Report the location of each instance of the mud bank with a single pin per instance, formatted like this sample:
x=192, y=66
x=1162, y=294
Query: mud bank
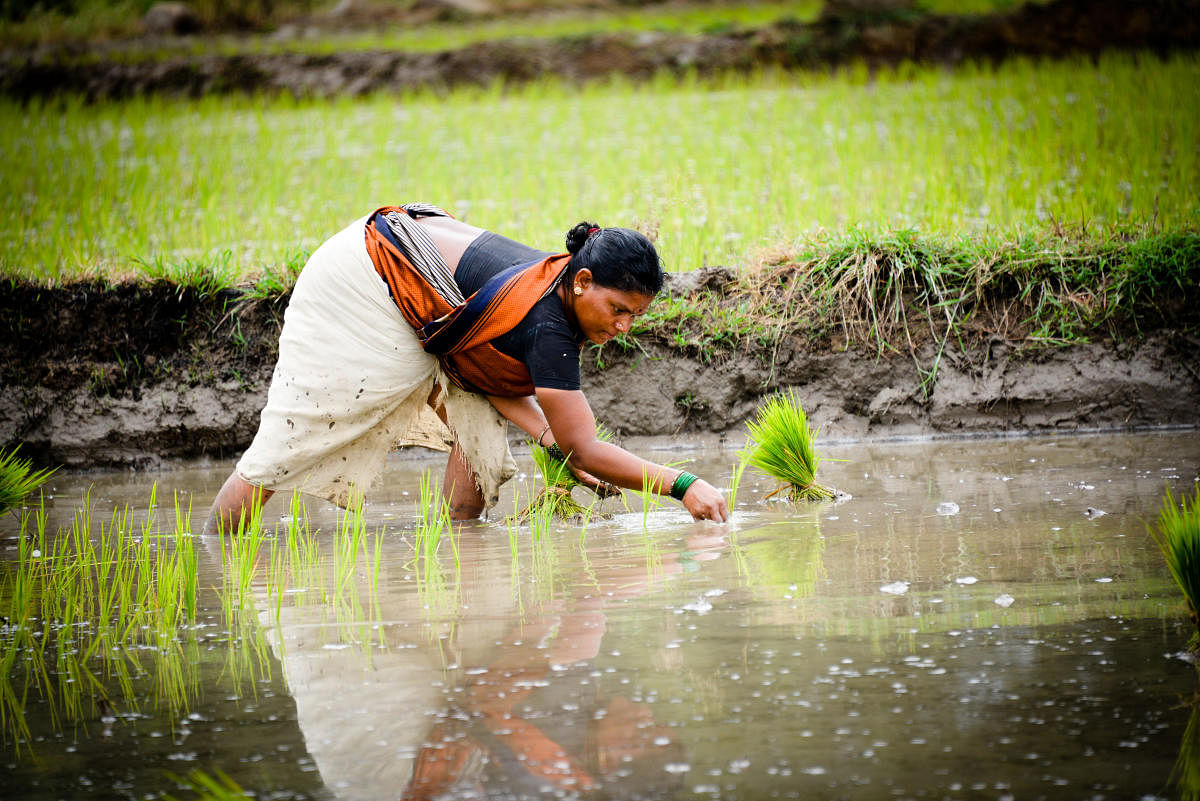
x=133, y=376
x=1060, y=28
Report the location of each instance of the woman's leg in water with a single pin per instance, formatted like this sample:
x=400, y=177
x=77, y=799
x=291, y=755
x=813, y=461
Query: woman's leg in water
x=238, y=500
x=459, y=488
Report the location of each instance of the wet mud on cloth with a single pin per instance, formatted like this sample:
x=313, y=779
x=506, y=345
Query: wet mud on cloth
x=351, y=384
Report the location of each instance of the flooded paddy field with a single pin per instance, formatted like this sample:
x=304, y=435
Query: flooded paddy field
x=983, y=618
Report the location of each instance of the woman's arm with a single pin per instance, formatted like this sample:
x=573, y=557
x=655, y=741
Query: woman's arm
x=574, y=429
x=524, y=413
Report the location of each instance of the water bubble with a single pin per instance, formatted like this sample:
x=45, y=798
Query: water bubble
x=1104, y=580
x=947, y=508
x=677, y=767
x=895, y=588
x=966, y=580
x=1004, y=600
x=1091, y=513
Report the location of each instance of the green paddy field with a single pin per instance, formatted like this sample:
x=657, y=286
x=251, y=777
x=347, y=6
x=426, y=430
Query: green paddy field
x=721, y=170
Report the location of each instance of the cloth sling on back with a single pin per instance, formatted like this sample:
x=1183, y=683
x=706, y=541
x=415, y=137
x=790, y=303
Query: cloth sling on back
x=457, y=330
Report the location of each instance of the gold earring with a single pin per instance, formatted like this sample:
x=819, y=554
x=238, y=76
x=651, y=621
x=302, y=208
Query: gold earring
x=578, y=291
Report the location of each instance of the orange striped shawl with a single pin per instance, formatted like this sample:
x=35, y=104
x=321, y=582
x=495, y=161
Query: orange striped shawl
x=461, y=335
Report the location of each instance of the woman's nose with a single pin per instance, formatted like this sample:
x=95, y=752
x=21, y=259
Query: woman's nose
x=622, y=325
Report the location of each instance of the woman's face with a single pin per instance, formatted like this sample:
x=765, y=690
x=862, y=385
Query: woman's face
x=601, y=312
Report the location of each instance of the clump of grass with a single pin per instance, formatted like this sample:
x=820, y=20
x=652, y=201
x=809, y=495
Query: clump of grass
x=903, y=292
x=555, y=500
x=18, y=479
x=1178, y=536
x=782, y=445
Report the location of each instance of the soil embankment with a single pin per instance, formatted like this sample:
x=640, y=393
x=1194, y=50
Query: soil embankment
x=1056, y=29
x=135, y=375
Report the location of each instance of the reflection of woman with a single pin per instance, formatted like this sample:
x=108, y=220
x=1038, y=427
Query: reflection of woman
x=377, y=327
x=534, y=725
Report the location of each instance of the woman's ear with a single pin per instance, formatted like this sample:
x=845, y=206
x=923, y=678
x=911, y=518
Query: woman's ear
x=583, y=278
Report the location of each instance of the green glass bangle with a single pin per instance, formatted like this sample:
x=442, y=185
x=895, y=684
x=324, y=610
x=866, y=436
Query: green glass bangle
x=680, y=487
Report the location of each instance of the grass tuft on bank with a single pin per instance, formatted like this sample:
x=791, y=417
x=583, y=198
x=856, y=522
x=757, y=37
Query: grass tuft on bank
x=903, y=293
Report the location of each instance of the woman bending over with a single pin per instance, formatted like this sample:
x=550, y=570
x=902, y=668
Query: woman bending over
x=409, y=322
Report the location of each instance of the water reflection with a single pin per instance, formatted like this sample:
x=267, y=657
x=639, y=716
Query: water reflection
x=499, y=691
x=877, y=647
x=1185, y=776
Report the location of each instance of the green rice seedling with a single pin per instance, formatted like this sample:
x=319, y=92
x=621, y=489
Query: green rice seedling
x=1177, y=534
x=376, y=564
x=735, y=482
x=432, y=525
x=558, y=482
x=18, y=479
x=781, y=444
x=348, y=544
x=651, y=500
x=240, y=550
x=433, y=522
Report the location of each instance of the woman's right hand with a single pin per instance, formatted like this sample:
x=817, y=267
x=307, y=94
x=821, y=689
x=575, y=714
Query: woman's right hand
x=705, y=502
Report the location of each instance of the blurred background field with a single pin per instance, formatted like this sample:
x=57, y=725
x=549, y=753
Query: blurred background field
x=718, y=168
x=323, y=26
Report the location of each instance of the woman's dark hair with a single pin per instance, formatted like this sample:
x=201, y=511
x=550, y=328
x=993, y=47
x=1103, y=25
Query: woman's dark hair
x=618, y=258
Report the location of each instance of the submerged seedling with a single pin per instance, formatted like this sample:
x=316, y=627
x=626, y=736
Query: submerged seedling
x=781, y=445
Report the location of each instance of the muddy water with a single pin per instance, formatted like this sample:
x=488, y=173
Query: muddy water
x=962, y=627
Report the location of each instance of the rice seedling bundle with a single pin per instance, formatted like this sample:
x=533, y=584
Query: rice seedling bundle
x=1178, y=537
x=781, y=444
x=554, y=500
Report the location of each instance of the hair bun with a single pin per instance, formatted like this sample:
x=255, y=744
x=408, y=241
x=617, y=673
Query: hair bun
x=578, y=235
